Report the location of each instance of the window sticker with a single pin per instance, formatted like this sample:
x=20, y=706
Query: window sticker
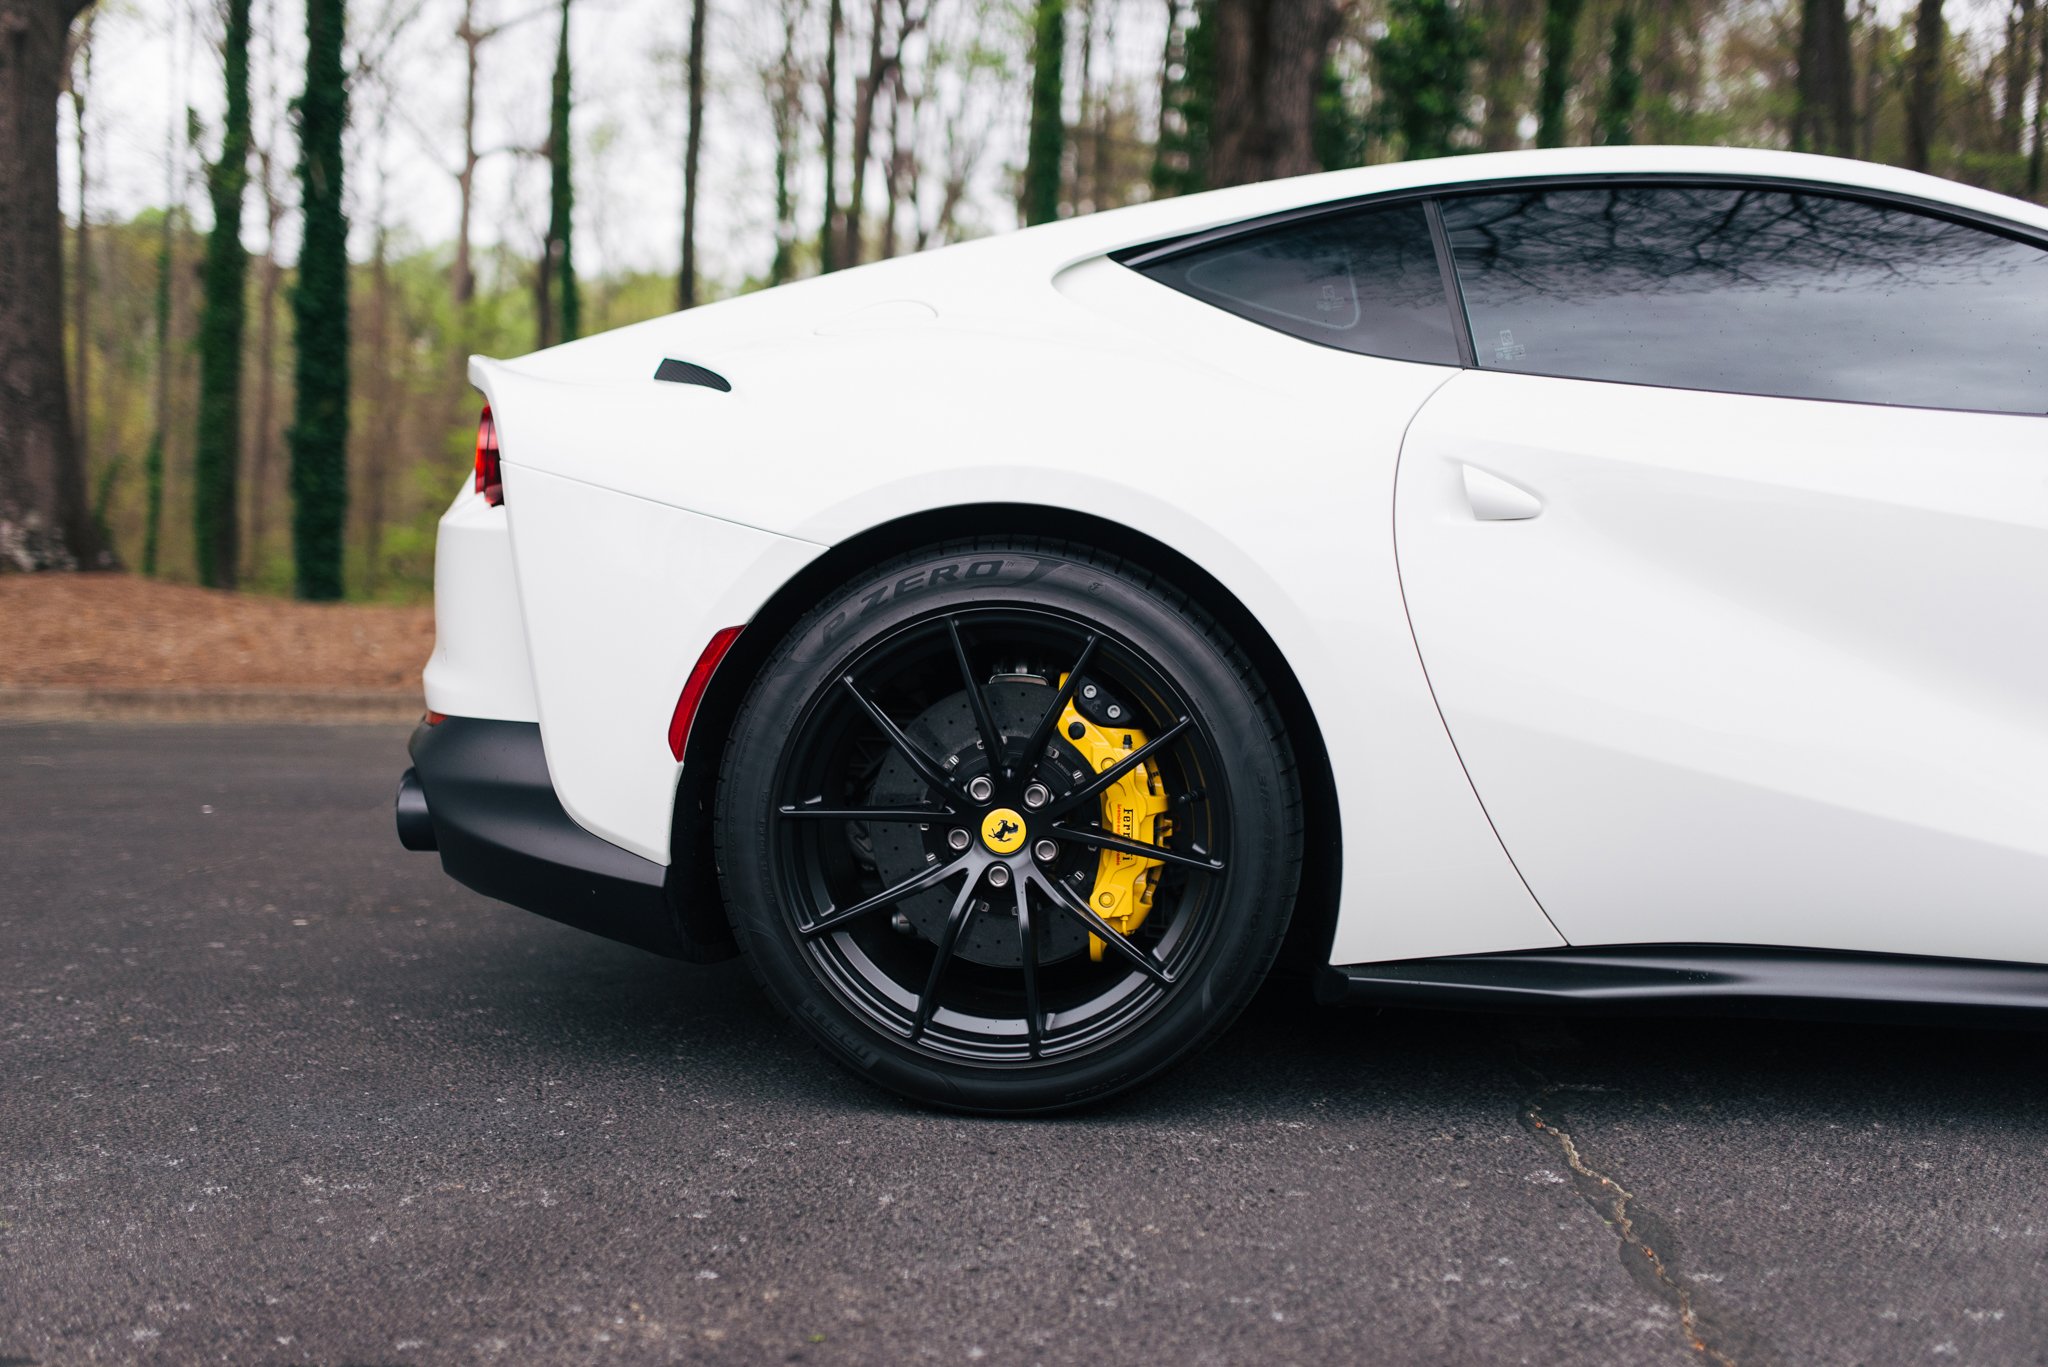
x=1317, y=290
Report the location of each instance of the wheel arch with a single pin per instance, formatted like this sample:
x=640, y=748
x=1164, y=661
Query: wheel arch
x=1309, y=933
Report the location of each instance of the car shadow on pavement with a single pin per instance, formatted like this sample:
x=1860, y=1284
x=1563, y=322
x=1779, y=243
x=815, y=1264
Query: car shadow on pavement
x=1287, y=1055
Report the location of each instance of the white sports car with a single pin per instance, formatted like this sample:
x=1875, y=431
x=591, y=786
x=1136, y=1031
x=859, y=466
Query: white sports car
x=1601, y=577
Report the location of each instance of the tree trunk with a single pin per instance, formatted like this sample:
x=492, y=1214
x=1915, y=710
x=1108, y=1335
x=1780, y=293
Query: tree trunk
x=1924, y=87
x=1269, y=58
x=465, y=181
x=153, y=461
x=686, y=283
x=865, y=92
x=1170, y=46
x=2036, y=154
x=1825, y=119
x=262, y=438
x=559, y=257
x=828, y=253
x=1101, y=194
x=1502, y=73
x=44, y=521
x=81, y=254
x=1045, y=146
x=785, y=109
x=2019, y=74
x=319, y=435
x=892, y=168
x=382, y=405
x=217, y=455
x=1560, y=38
x=1082, y=192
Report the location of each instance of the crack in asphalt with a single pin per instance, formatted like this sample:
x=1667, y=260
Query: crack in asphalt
x=1641, y=1231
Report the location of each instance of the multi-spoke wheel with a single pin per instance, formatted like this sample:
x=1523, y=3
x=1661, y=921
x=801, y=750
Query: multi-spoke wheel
x=1009, y=827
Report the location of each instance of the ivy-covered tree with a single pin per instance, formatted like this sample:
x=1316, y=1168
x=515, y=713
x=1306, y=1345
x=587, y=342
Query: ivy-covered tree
x=1046, y=144
x=693, y=143
x=319, y=431
x=1560, y=40
x=1624, y=83
x=1425, y=64
x=559, y=303
x=217, y=454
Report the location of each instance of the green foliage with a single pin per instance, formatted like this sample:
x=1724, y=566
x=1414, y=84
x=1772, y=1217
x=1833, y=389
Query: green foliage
x=1046, y=144
x=1560, y=37
x=1340, y=131
x=1425, y=62
x=1624, y=83
x=1180, y=162
x=562, y=199
x=218, y=452
x=319, y=431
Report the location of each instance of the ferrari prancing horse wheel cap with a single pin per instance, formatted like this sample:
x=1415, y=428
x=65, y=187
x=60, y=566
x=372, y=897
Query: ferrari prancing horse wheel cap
x=1002, y=830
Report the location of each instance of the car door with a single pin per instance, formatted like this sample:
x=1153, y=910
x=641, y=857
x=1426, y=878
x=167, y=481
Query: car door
x=1728, y=564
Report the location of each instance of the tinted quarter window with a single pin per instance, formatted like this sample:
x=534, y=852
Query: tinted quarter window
x=1753, y=291
x=1366, y=281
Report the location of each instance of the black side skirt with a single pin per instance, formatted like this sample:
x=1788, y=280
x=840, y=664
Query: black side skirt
x=482, y=789
x=1700, y=979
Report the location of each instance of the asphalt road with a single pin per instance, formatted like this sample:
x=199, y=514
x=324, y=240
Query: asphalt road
x=274, y=1090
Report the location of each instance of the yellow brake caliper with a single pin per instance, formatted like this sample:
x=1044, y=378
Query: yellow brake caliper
x=1133, y=807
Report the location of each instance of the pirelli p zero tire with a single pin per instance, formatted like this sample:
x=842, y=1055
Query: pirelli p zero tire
x=1009, y=827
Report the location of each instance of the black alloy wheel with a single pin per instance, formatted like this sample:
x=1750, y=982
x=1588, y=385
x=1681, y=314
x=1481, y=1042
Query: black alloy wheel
x=1009, y=827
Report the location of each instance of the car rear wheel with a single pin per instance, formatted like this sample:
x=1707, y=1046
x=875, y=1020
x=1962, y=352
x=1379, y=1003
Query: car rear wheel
x=1009, y=827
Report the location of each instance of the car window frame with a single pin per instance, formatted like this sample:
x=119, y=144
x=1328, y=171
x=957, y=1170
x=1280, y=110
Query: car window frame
x=1433, y=196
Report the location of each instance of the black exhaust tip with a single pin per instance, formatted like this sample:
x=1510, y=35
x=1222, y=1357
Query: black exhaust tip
x=415, y=823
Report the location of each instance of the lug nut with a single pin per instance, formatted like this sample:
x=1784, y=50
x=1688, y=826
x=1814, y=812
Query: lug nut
x=957, y=839
x=999, y=876
x=980, y=789
x=1046, y=850
x=901, y=924
x=1036, y=795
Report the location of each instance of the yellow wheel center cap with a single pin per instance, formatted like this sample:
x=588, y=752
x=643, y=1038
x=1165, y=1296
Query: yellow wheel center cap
x=1002, y=830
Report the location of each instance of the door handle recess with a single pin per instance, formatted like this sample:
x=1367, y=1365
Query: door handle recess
x=1493, y=499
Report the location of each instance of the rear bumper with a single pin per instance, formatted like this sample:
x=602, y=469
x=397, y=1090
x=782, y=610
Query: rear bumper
x=479, y=793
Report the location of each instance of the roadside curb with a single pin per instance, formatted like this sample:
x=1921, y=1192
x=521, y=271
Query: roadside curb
x=330, y=706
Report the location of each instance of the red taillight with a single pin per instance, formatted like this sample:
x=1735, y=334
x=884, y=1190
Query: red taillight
x=693, y=690
x=489, y=481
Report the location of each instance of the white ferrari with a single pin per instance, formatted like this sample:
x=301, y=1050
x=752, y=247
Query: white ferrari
x=1607, y=577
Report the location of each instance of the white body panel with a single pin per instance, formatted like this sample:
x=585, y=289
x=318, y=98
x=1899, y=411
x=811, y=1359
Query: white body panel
x=616, y=621
x=1762, y=671
x=481, y=666
x=1028, y=370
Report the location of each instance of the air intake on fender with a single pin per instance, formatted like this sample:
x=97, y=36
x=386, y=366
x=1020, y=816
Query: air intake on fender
x=683, y=372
